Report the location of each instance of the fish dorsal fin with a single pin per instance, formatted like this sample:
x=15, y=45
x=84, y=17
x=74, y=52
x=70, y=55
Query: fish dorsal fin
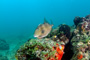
x=45, y=21
x=51, y=22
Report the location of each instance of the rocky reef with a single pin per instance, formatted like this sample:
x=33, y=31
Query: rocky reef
x=62, y=43
x=81, y=39
x=40, y=49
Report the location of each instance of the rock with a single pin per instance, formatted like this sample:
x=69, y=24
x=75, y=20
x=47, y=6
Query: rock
x=78, y=20
x=3, y=57
x=40, y=49
x=66, y=29
x=87, y=17
x=4, y=45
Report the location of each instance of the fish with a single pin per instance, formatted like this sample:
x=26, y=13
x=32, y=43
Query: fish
x=43, y=29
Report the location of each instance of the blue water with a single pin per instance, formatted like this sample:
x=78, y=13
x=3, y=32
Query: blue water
x=21, y=17
x=18, y=16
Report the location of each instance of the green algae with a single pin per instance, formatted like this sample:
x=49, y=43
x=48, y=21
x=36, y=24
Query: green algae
x=37, y=47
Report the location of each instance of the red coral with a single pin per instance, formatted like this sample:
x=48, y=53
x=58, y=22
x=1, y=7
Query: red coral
x=52, y=58
x=59, y=51
x=80, y=56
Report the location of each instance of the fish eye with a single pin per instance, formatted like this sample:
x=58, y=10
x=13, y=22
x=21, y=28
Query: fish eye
x=42, y=31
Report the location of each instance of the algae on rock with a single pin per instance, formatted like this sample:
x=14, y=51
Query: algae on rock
x=36, y=49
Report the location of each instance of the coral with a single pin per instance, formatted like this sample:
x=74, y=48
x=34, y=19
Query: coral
x=54, y=32
x=78, y=20
x=81, y=40
x=40, y=49
x=61, y=34
x=80, y=48
x=88, y=16
x=82, y=23
x=65, y=29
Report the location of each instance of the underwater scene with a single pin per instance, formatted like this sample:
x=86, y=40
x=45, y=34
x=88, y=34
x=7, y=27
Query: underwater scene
x=44, y=29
